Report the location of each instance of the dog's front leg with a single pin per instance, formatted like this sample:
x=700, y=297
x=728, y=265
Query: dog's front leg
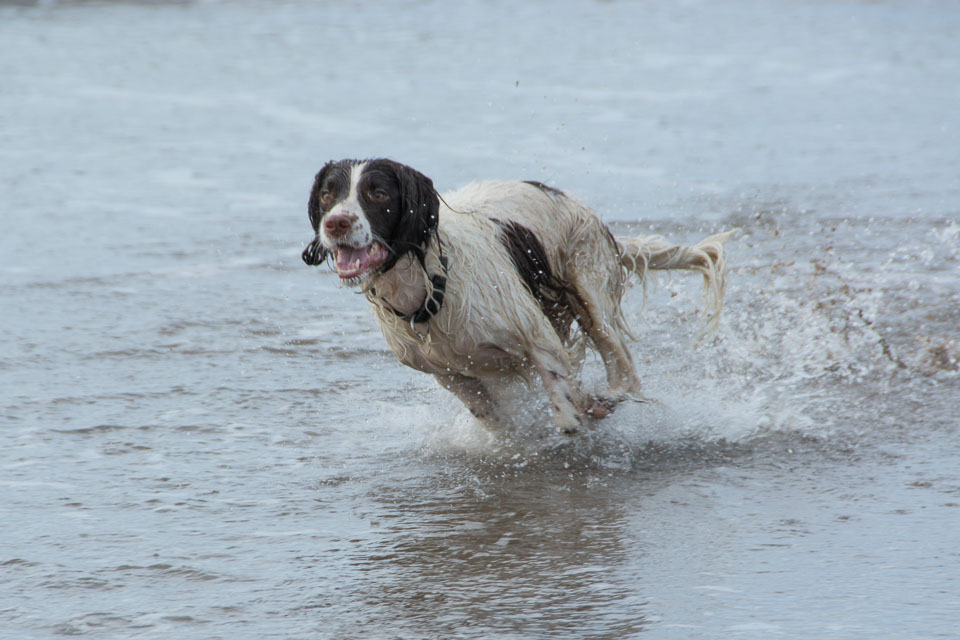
x=474, y=394
x=565, y=397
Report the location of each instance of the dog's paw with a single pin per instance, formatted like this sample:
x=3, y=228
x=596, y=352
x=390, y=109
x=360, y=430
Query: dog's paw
x=569, y=425
x=599, y=407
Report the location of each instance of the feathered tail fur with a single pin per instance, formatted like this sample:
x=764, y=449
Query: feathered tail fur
x=643, y=253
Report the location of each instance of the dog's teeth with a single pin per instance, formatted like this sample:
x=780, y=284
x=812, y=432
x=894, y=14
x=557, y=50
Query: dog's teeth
x=372, y=250
x=356, y=265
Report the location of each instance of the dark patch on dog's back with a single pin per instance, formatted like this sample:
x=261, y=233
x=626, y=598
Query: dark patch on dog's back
x=545, y=188
x=530, y=260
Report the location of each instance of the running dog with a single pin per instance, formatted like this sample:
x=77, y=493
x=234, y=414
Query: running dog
x=493, y=279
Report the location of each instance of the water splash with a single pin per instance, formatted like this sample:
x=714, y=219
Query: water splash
x=804, y=355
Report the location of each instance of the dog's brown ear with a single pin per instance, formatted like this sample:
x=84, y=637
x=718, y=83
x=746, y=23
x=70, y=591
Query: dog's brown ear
x=420, y=210
x=313, y=205
x=315, y=253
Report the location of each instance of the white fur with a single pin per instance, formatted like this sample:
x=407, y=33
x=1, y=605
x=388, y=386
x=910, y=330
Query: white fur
x=491, y=329
x=360, y=233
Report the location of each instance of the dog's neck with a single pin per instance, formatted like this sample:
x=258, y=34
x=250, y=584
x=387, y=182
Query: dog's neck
x=402, y=288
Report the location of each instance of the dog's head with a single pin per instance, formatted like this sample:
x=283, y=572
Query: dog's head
x=367, y=214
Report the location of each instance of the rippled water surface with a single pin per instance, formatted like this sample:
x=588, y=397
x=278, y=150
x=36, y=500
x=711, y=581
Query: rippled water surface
x=200, y=437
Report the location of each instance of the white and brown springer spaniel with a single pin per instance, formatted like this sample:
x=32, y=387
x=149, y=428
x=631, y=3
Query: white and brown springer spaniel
x=486, y=282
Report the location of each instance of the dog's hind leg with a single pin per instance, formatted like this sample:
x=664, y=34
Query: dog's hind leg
x=594, y=286
x=598, y=313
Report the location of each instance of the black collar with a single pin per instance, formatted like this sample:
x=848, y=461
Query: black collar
x=431, y=303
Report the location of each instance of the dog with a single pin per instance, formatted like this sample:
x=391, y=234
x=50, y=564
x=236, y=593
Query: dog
x=493, y=281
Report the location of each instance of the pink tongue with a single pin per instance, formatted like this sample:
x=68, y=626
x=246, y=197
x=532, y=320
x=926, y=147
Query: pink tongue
x=347, y=258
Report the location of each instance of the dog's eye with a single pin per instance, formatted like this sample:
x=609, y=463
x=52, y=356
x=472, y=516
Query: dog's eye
x=326, y=197
x=379, y=195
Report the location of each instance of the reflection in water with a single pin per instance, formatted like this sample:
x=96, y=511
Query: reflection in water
x=534, y=552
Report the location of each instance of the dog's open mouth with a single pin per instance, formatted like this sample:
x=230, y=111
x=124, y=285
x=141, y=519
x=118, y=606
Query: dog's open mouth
x=355, y=263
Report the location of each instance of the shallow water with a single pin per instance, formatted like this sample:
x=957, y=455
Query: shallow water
x=203, y=438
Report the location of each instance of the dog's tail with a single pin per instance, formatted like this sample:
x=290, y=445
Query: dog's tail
x=643, y=253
